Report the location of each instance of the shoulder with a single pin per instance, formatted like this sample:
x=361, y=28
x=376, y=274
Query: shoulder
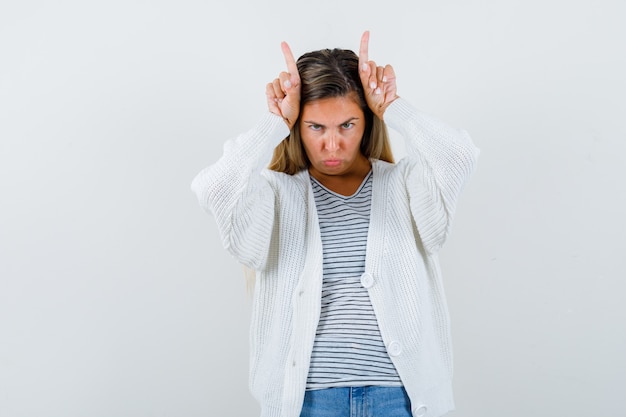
x=387, y=168
x=379, y=166
x=282, y=182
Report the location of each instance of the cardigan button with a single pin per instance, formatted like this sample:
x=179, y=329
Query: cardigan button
x=420, y=411
x=367, y=280
x=394, y=348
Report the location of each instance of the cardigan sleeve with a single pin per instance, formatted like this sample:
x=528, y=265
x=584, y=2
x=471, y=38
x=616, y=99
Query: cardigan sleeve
x=440, y=160
x=240, y=198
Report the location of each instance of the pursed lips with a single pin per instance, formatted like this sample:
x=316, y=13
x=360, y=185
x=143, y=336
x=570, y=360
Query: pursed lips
x=332, y=162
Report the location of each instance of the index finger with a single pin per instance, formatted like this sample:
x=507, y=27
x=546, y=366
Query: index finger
x=365, y=38
x=292, y=68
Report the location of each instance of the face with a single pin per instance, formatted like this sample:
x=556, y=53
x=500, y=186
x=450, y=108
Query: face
x=331, y=130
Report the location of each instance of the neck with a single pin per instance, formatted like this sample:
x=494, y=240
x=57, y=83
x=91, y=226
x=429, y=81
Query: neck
x=344, y=184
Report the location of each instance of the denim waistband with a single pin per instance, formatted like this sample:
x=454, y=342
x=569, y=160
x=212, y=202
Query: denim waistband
x=369, y=401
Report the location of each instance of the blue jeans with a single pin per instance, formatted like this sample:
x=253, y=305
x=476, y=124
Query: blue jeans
x=357, y=402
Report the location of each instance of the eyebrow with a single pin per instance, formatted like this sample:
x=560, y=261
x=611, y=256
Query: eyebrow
x=319, y=124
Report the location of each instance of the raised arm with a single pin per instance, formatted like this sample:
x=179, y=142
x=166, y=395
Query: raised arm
x=235, y=190
x=440, y=158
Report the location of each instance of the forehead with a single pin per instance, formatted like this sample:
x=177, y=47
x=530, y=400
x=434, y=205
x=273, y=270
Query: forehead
x=332, y=110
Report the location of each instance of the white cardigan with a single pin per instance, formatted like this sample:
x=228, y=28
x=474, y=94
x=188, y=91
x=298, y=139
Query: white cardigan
x=268, y=221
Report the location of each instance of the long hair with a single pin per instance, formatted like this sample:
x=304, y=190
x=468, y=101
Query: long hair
x=329, y=73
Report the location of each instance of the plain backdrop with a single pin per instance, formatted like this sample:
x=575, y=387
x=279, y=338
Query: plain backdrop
x=116, y=296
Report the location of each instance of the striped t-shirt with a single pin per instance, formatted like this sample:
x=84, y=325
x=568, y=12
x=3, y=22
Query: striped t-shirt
x=348, y=348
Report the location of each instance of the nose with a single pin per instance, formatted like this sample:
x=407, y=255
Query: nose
x=331, y=143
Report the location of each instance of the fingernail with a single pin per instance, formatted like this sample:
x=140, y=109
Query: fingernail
x=287, y=83
x=372, y=84
x=384, y=78
x=364, y=67
x=377, y=91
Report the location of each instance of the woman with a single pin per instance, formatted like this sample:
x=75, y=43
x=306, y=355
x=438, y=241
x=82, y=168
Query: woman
x=349, y=314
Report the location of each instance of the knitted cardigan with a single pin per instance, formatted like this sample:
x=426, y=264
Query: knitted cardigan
x=268, y=221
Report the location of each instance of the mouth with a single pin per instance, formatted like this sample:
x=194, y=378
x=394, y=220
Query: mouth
x=332, y=162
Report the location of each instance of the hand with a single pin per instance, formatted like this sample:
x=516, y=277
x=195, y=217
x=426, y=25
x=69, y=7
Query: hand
x=379, y=83
x=283, y=94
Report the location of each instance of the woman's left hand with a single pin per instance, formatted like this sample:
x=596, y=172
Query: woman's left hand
x=379, y=83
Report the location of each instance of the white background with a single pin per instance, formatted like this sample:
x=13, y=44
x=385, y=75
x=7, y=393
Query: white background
x=116, y=297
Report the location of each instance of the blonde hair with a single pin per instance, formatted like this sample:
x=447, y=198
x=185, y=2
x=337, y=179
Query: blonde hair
x=323, y=74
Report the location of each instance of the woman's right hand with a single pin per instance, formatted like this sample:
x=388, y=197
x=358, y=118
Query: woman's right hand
x=283, y=94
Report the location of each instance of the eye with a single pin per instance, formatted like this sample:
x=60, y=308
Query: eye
x=315, y=127
x=347, y=125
